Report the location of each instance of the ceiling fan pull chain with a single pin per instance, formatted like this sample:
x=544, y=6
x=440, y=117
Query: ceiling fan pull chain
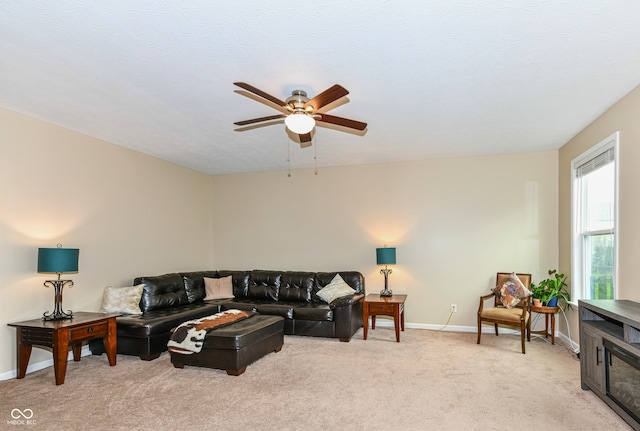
x=315, y=153
x=289, y=158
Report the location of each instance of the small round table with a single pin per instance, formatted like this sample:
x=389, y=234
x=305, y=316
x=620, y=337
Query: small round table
x=548, y=312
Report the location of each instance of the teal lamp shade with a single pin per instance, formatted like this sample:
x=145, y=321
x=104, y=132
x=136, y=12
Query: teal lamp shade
x=58, y=260
x=386, y=256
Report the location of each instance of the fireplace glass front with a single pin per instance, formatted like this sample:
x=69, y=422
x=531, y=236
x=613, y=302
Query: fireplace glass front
x=623, y=378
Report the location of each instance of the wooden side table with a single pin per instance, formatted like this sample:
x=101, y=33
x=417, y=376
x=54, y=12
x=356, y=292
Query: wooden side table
x=376, y=305
x=549, y=313
x=60, y=334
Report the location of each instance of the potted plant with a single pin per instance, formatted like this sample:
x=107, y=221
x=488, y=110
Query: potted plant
x=549, y=290
x=536, y=294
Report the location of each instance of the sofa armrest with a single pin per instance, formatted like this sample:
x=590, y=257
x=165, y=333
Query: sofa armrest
x=346, y=300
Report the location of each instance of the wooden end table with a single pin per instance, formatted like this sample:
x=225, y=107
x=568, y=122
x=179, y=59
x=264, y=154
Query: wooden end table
x=60, y=334
x=548, y=312
x=376, y=305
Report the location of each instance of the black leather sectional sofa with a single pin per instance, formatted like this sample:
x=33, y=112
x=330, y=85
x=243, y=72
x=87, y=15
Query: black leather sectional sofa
x=170, y=299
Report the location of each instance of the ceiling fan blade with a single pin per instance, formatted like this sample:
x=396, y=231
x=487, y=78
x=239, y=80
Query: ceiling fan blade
x=327, y=96
x=260, y=93
x=345, y=122
x=258, y=120
x=305, y=140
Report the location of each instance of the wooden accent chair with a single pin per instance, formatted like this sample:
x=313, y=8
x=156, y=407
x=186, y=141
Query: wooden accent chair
x=518, y=316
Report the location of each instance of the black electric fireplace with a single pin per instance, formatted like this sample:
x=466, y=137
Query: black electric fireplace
x=623, y=378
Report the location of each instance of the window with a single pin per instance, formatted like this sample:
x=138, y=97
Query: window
x=594, y=192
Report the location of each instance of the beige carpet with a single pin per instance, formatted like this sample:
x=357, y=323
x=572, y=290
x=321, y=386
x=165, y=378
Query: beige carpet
x=428, y=381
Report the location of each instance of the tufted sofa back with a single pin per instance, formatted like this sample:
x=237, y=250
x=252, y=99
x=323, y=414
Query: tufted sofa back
x=296, y=286
x=173, y=289
x=162, y=291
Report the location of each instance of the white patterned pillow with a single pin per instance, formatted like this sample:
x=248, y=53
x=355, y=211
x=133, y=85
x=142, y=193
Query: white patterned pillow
x=334, y=290
x=125, y=300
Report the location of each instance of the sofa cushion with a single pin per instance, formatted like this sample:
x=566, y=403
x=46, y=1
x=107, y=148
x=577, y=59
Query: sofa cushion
x=194, y=284
x=276, y=309
x=163, y=320
x=240, y=281
x=240, y=305
x=162, y=291
x=218, y=288
x=296, y=286
x=317, y=312
x=264, y=284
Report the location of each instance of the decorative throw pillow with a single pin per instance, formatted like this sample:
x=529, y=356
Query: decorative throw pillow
x=125, y=300
x=218, y=288
x=337, y=288
x=512, y=291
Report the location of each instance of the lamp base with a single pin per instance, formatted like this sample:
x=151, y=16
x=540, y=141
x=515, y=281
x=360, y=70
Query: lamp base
x=57, y=316
x=386, y=291
x=57, y=313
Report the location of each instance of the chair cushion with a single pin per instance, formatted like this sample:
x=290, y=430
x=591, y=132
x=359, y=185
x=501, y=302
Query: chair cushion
x=503, y=313
x=511, y=292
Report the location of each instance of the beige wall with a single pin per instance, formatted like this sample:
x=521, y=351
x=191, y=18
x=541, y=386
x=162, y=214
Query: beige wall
x=455, y=223
x=624, y=117
x=129, y=214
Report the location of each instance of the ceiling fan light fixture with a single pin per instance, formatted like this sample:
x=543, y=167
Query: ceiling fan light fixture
x=300, y=123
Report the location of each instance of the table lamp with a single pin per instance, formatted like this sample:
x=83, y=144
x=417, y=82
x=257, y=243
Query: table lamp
x=58, y=261
x=386, y=256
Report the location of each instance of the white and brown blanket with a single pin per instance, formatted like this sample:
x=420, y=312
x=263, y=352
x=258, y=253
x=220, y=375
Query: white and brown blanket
x=188, y=337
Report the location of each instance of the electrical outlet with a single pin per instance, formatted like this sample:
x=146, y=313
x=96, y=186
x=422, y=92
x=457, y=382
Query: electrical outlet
x=454, y=308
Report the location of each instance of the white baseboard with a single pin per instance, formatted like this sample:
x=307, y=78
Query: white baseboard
x=575, y=347
x=41, y=365
x=448, y=328
x=486, y=329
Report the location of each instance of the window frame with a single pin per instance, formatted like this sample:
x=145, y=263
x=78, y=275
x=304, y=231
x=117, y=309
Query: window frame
x=579, y=289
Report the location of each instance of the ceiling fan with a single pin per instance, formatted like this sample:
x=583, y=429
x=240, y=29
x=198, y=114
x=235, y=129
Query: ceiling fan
x=301, y=113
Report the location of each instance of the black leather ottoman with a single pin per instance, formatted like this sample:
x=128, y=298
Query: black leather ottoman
x=234, y=347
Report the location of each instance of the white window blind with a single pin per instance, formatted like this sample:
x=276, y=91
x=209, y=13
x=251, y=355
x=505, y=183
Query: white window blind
x=602, y=159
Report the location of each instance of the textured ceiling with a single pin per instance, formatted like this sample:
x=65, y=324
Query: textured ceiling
x=431, y=78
